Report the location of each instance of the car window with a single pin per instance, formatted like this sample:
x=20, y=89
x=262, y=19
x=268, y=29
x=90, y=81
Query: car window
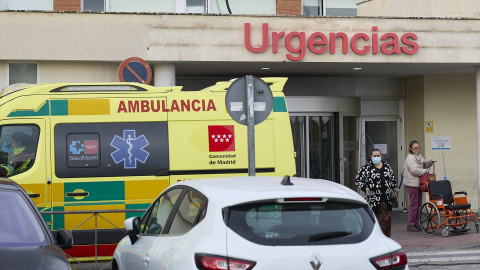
x=19, y=226
x=302, y=223
x=18, y=146
x=155, y=222
x=188, y=213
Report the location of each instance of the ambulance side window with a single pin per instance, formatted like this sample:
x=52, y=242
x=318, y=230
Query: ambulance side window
x=18, y=147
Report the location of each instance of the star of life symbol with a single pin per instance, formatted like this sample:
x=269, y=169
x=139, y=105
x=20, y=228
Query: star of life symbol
x=129, y=149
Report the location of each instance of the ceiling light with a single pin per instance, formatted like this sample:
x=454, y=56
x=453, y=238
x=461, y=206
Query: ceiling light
x=265, y=68
x=357, y=68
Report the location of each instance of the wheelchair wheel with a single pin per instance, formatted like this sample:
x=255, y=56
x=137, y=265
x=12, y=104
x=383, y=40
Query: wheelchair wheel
x=445, y=231
x=477, y=227
x=429, y=218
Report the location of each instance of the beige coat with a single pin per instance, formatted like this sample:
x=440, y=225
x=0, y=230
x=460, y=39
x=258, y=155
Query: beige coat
x=415, y=166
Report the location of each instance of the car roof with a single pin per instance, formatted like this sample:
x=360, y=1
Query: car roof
x=9, y=184
x=230, y=191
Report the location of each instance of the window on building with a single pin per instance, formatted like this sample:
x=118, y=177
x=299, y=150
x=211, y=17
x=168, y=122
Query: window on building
x=93, y=5
x=130, y=6
x=312, y=7
x=341, y=7
x=250, y=7
x=196, y=6
x=26, y=5
x=22, y=73
x=329, y=7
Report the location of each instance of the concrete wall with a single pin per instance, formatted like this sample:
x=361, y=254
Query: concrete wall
x=414, y=111
x=55, y=71
x=3, y=73
x=449, y=101
x=155, y=37
x=422, y=8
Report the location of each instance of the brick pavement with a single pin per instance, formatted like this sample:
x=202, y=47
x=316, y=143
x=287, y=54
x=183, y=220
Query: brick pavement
x=419, y=240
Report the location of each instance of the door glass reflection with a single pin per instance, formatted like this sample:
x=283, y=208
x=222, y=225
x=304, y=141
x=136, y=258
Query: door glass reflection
x=321, y=146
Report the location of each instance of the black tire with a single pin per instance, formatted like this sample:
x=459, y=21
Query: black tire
x=429, y=218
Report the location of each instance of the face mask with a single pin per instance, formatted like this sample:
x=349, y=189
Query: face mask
x=376, y=160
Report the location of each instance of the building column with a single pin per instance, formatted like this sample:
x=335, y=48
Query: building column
x=164, y=74
x=477, y=81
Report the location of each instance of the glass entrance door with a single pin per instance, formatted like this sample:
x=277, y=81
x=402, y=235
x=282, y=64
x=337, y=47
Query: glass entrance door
x=349, y=126
x=383, y=134
x=314, y=137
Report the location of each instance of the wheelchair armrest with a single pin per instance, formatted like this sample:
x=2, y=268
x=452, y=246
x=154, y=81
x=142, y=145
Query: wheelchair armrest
x=436, y=197
x=460, y=192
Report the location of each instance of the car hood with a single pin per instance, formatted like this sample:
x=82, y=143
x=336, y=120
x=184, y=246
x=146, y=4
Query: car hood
x=39, y=257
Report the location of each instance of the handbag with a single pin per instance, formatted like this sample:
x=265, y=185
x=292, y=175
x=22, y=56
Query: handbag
x=392, y=197
x=427, y=178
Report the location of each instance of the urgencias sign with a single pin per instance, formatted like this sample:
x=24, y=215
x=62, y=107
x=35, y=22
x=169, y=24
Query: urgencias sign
x=318, y=42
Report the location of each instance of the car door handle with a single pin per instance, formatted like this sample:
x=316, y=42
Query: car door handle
x=77, y=194
x=34, y=195
x=73, y=194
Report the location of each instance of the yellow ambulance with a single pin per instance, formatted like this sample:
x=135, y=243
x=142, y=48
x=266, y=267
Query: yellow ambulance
x=116, y=146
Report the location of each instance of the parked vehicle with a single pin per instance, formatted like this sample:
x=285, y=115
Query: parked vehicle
x=257, y=223
x=25, y=240
x=132, y=140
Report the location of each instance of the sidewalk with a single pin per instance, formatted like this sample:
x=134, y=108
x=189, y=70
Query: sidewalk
x=419, y=240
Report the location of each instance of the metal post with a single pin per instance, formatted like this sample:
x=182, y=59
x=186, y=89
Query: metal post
x=478, y=127
x=96, y=244
x=250, y=126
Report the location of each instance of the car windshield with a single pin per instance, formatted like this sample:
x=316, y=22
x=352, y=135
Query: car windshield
x=19, y=226
x=305, y=223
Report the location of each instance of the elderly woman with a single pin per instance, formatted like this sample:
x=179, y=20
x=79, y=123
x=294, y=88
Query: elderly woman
x=415, y=166
x=377, y=180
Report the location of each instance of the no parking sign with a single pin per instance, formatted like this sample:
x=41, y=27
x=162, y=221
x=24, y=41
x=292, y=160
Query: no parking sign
x=135, y=69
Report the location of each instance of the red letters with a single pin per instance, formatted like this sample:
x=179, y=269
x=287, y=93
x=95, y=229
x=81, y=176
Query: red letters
x=264, y=45
x=318, y=43
x=354, y=45
x=157, y=105
x=301, y=46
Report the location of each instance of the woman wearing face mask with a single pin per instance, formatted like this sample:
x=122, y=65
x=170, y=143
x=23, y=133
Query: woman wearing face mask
x=415, y=166
x=376, y=179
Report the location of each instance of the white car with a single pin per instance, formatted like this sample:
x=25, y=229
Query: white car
x=257, y=223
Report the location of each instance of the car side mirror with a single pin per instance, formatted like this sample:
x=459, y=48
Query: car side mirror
x=132, y=226
x=64, y=239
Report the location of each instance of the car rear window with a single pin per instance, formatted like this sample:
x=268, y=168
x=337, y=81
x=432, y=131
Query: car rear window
x=302, y=223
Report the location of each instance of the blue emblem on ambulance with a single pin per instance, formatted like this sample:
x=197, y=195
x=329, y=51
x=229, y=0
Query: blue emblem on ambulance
x=76, y=147
x=129, y=149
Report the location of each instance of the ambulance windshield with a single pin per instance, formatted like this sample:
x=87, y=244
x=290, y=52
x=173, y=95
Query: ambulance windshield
x=18, y=148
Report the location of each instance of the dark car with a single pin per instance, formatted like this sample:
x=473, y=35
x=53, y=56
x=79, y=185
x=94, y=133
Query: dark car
x=25, y=240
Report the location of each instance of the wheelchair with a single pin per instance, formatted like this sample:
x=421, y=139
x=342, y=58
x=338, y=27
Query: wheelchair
x=446, y=210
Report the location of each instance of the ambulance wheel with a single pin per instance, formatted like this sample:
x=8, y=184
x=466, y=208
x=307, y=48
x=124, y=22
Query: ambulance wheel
x=445, y=231
x=429, y=218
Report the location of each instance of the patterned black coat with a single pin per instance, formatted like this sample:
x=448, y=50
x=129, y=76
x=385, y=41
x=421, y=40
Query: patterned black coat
x=369, y=176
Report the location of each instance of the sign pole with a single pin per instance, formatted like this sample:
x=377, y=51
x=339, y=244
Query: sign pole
x=250, y=126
